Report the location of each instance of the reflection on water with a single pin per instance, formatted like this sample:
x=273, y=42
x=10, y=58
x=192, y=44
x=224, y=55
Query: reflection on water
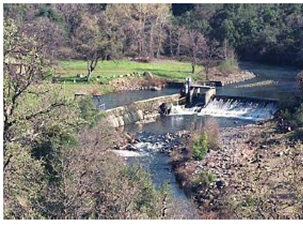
x=172, y=124
x=284, y=88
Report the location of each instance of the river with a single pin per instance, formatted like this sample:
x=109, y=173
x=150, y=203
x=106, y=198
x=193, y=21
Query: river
x=271, y=82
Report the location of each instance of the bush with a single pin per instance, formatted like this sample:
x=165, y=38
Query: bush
x=211, y=128
x=294, y=119
x=299, y=116
x=200, y=147
x=228, y=66
x=299, y=134
x=88, y=111
x=204, y=138
x=204, y=178
x=300, y=79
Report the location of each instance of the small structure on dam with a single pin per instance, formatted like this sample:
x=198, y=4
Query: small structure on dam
x=197, y=94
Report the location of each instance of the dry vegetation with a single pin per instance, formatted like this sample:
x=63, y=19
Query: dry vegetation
x=256, y=173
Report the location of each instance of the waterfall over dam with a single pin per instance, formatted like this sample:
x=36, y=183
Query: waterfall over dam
x=233, y=107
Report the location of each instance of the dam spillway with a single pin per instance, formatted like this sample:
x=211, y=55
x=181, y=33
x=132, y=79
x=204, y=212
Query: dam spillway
x=241, y=108
x=254, y=109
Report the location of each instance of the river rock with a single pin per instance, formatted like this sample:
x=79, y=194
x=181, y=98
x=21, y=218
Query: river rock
x=130, y=147
x=155, y=88
x=148, y=75
x=220, y=184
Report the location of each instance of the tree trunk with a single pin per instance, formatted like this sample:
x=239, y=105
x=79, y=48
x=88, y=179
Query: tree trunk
x=178, y=49
x=225, y=49
x=89, y=70
x=193, y=67
x=151, y=43
x=158, y=51
x=206, y=73
x=171, y=43
x=89, y=75
x=92, y=64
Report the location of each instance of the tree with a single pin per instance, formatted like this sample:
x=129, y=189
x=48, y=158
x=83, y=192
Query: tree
x=162, y=21
x=29, y=108
x=211, y=55
x=91, y=180
x=193, y=42
x=54, y=167
x=144, y=26
x=24, y=67
x=88, y=42
x=98, y=38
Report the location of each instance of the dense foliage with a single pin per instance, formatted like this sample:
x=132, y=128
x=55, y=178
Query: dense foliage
x=269, y=33
x=57, y=162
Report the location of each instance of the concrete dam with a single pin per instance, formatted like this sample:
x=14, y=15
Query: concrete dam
x=192, y=99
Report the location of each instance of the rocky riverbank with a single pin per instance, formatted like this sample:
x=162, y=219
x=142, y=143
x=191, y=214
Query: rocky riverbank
x=146, y=81
x=256, y=84
x=164, y=143
x=251, y=175
x=150, y=81
x=238, y=76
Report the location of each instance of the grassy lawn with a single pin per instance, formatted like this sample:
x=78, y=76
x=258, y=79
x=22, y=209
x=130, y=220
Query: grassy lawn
x=108, y=70
x=68, y=89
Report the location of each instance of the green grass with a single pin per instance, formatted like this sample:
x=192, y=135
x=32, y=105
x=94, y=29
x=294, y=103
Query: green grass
x=108, y=70
x=68, y=89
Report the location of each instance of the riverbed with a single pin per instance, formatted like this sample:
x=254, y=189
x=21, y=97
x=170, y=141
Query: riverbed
x=283, y=88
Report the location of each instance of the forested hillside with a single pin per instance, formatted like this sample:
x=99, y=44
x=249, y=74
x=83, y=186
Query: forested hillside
x=268, y=33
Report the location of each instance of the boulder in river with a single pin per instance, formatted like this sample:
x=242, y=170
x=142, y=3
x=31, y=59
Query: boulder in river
x=148, y=75
x=165, y=109
x=155, y=88
x=220, y=184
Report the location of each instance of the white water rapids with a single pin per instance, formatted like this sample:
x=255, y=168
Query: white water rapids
x=231, y=108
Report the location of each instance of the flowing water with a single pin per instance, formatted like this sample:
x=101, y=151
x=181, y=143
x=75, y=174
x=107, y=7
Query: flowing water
x=231, y=108
x=227, y=112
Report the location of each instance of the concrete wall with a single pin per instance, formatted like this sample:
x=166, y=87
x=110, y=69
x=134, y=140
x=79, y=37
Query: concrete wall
x=209, y=94
x=139, y=110
x=203, y=95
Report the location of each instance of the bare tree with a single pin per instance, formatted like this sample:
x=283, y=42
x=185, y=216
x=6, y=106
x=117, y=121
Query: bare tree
x=161, y=23
x=178, y=38
x=210, y=56
x=194, y=43
x=144, y=26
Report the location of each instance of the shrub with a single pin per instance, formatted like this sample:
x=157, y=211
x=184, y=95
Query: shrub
x=200, y=147
x=211, y=128
x=299, y=134
x=205, y=178
x=300, y=79
x=204, y=138
x=299, y=116
x=88, y=111
x=294, y=119
x=228, y=66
